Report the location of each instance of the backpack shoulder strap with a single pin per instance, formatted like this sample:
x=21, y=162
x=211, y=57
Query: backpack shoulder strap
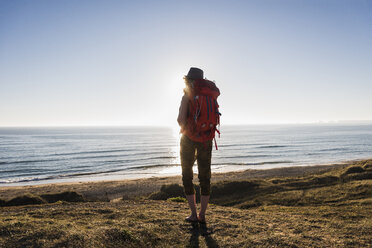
x=206, y=87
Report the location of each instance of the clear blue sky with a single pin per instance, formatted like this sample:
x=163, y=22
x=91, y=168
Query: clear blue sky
x=122, y=62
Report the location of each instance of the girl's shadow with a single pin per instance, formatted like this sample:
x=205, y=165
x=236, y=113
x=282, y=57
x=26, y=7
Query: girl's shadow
x=201, y=230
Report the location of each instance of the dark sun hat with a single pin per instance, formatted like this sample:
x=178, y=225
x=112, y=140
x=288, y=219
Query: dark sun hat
x=195, y=73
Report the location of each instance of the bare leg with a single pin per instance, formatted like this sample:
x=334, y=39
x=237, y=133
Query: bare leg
x=204, y=199
x=192, y=204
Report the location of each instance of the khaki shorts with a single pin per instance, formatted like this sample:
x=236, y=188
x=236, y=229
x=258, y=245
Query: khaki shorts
x=202, y=153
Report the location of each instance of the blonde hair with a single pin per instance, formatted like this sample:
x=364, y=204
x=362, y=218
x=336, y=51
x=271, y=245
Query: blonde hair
x=189, y=85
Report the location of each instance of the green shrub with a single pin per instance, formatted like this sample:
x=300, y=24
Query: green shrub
x=25, y=200
x=354, y=169
x=158, y=196
x=168, y=191
x=173, y=190
x=68, y=196
x=229, y=188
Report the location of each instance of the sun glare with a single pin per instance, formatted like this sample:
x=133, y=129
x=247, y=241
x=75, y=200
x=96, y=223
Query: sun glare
x=175, y=92
x=176, y=131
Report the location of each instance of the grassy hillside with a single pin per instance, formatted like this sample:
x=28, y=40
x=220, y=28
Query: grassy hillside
x=327, y=209
x=331, y=187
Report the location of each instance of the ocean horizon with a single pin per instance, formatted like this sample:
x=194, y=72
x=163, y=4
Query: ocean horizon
x=38, y=155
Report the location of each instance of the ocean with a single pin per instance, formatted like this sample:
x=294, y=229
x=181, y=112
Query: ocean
x=45, y=155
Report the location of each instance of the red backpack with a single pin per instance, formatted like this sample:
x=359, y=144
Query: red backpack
x=203, y=116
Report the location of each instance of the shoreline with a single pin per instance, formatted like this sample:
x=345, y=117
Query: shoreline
x=132, y=188
x=143, y=175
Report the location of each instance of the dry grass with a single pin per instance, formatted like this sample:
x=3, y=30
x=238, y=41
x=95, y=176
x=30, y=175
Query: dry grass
x=324, y=209
x=150, y=223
